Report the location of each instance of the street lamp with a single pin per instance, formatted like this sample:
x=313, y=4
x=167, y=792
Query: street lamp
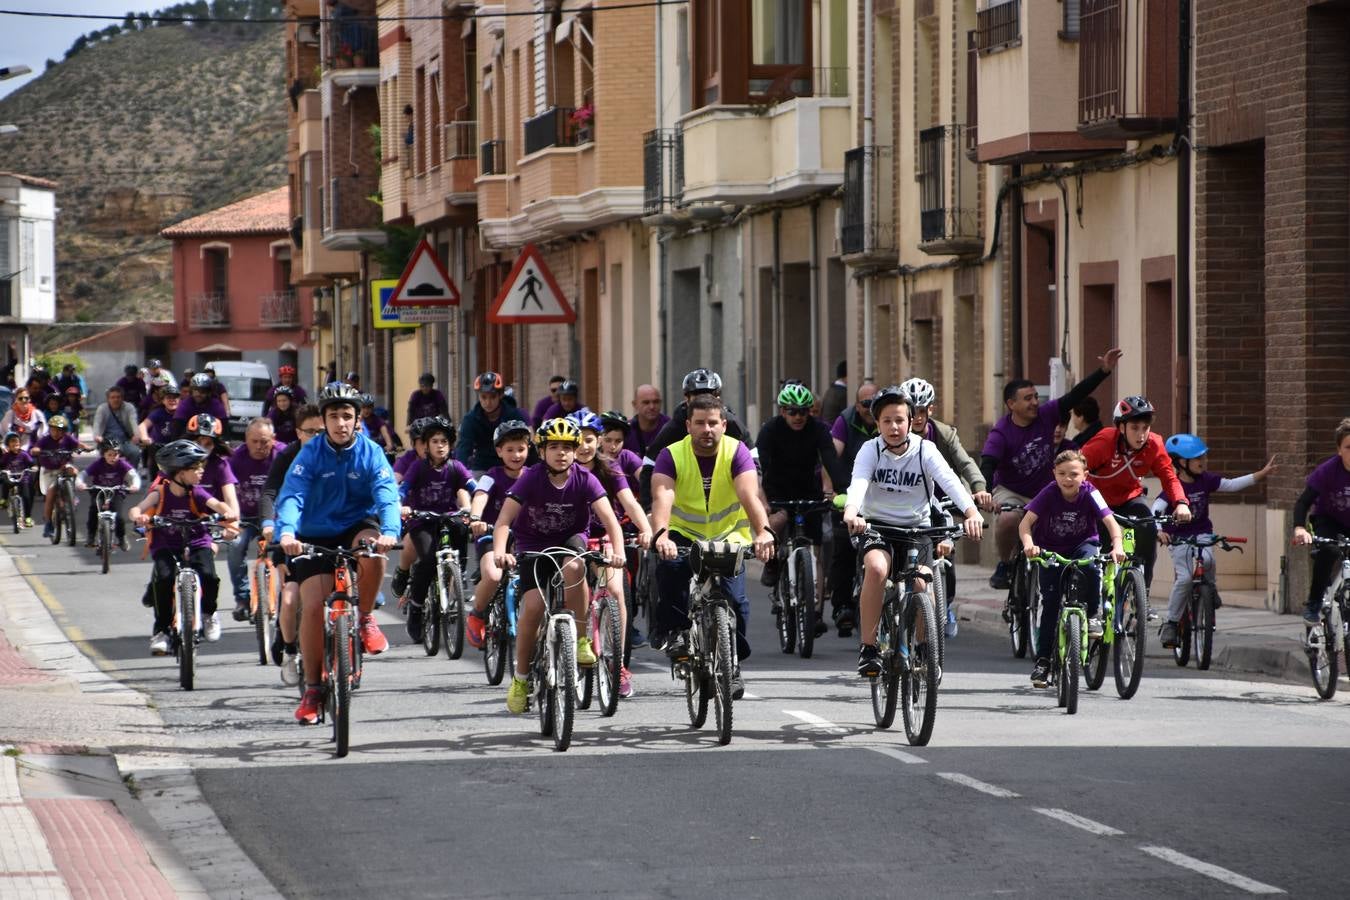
x=13, y=72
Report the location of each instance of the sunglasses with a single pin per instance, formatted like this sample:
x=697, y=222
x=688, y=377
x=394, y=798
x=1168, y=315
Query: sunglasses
x=797, y=411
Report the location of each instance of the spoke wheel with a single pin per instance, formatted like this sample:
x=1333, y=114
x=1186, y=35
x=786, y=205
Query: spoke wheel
x=1073, y=662
x=68, y=492
x=786, y=616
x=608, y=643
x=1019, y=629
x=16, y=508
x=1204, y=628
x=432, y=604
x=564, y=694
x=341, y=688
x=105, y=544
x=1181, y=653
x=452, y=615
x=939, y=590
x=804, y=563
x=1323, y=658
x=722, y=665
x=1127, y=653
x=187, y=633
x=496, y=638
x=919, y=681
x=58, y=522
x=1095, y=671
x=697, y=693
x=886, y=686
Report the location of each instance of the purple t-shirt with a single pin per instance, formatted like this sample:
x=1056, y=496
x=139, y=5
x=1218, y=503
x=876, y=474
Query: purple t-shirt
x=426, y=488
x=1025, y=456
x=597, y=528
x=839, y=430
x=283, y=425
x=187, y=408
x=1197, y=498
x=424, y=406
x=496, y=482
x=181, y=509
x=53, y=454
x=1062, y=525
x=16, y=462
x=550, y=515
x=1332, y=483
x=741, y=462
x=161, y=425
x=638, y=440
x=100, y=474
x=133, y=389
x=629, y=465
x=540, y=408
x=403, y=462
x=373, y=426
x=252, y=477
x=216, y=475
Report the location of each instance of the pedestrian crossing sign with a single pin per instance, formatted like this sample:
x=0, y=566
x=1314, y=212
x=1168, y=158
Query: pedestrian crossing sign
x=530, y=295
x=425, y=281
x=382, y=315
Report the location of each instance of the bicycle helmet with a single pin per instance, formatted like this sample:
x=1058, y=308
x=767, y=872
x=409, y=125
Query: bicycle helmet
x=282, y=390
x=204, y=425
x=415, y=429
x=427, y=379
x=568, y=389
x=286, y=370
x=615, y=420
x=179, y=455
x=158, y=381
x=558, y=430
x=702, y=381
x=1185, y=446
x=515, y=428
x=107, y=444
x=795, y=395
x=367, y=400
x=488, y=381
x=59, y=422
x=920, y=392
x=438, y=423
x=130, y=371
x=587, y=420
x=1132, y=407
x=201, y=382
x=338, y=393
x=155, y=364
x=888, y=395
x=353, y=376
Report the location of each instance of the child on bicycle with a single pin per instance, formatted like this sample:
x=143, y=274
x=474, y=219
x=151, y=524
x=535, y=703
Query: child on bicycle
x=1327, y=500
x=1189, y=456
x=16, y=460
x=418, y=451
x=893, y=478
x=282, y=414
x=177, y=495
x=110, y=470
x=551, y=505
x=512, y=439
x=434, y=484
x=612, y=447
x=218, y=479
x=1063, y=519
x=53, y=451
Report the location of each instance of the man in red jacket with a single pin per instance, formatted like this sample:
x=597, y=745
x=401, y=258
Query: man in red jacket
x=1118, y=458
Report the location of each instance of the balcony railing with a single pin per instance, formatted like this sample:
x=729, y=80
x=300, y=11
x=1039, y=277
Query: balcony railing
x=998, y=25
x=949, y=220
x=209, y=310
x=862, y=234
x=551, y=128
x=461, y=140
x=492, y=158
x=972, y=93
x=1101, y=62
x=279, y=309
x=353, y=43
x=662, y=169
x=1127, y=68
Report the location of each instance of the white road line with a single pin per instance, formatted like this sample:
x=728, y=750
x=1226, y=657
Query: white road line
x=1077, y=821
x=1218, y=873
x=992, y=790
x=901, y=755
x=816, y=721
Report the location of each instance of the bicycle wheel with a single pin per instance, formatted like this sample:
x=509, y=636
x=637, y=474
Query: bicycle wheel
x=786, y=614
x=1034, y=612
x=1181, y=653
x=1073, y=663
x=1019, y=627
x=496, y=637
x=697, y=693
x=58, y=522
x=263, y=622
x=187, y=631
x=608, y=641
x=68, y=491
x=1095, y=671
x=722, y=666
x=452, y=616
x=14, y=501
x=432, y=604
x=804, y=565
x=1127, y=653
x=104, y=544
x=564, y=693
x=885, y=687
x=1323, y=647
x=1204, y=628
x=919, y=680
x=939, y=589
x=341, y=684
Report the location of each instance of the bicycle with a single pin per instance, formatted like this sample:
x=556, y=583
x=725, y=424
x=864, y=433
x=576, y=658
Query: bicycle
x=1330, y=637
x=1196, y=624
x=944, y=582
x=13, y=486
x=443, y=611
x=63, y=510
x=608, y=641
x=106, y=527
x=711, y=636
x=184, y=633
x=1069, y=658
x=907, y=637
x=1124, y=614
x=794, y=593
x=343, y=651
x=499, y=628
x=552, y=683
x=1022, y=608
x=263, y=600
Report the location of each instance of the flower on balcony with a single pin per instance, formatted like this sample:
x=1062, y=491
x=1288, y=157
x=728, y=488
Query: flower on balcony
x=346, y=56
x=583, y=115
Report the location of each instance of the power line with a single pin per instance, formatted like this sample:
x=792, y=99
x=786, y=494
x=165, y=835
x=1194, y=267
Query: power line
x=296, y=20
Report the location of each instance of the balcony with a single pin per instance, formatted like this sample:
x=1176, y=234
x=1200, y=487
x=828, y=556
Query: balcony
x=662, y=169
x=279, y=309
x=1127, y=68
x=492, y=158
x=351, y=42
x=949, y=216
x=551, y=128
x=867, y=235
x=461, y=140
x=351, y=219
x=208, y=310
x=1026, y=70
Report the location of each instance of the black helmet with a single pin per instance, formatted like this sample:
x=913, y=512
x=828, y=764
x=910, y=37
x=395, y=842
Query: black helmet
x=201, y=382
x=1132, y=407
x=508, y=430
x=108, y=444
x=204, y=425
x=426, y=378
x=615, y=419
x=888, y=395
x=339, y=394
x=569, y=388
x=283, y=390
x=415, y=428
x=130, y=371
x=179, y=455
x=702, y=381
x=488, y=381
x=438, y=423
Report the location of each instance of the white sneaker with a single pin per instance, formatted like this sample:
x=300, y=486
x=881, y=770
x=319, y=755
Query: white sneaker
x=212, y=629
x=159, y=644
x=290, y=670
x=1095, y=628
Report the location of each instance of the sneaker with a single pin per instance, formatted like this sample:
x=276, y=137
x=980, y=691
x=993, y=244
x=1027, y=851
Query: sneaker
x=308, y=713
x=1168, y=636
x=47, y=530
x=843, y=620
x=585, y=655
x=517, y=695
x=821, y=627
x=473, y=628
x=379, y=600
x=1040, y=676
x=1001, y=580
x=625, y=683
x=1150, y=614
x=769, y=577
x=1095, y=629
x=1312, y=617
x=401, y=582
x=371, y=637
x=211, y=629
x=737, y=684
x=869, y=661
x=677, y=648
x=952, y=627
x=240, y=613
x=290, y=669
x=123, y=543
x=159, y=644
x=416, y=623
x=1218, y=601
x=28, y=522
x=636, y=638
x=278, y=647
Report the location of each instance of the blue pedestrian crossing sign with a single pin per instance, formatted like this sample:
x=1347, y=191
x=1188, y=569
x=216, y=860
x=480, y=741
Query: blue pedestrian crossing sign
x=382, y=314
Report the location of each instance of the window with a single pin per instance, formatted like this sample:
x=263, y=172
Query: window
x=217, y=263
x=28, y=252
x=433, y=129
x=1072, y=16
x=420, y=124
x=778, y=33
x=999, y=25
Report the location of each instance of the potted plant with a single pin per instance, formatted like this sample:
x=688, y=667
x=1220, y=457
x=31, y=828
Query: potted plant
x=583, y=119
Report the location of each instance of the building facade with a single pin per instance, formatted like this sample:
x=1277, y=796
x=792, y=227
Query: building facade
x=27, y=260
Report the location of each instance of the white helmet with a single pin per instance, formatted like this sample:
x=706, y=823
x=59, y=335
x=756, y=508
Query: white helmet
x=920, y=392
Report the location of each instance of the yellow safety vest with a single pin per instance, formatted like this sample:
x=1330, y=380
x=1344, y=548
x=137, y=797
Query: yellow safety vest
x=716, y=516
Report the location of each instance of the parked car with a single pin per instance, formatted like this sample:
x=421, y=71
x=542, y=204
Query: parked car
x=247, y=384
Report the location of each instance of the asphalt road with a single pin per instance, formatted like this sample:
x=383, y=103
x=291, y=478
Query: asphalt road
x=1198, y=786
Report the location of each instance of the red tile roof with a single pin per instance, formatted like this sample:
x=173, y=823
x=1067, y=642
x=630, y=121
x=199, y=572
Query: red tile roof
x=31, y=180
x=268, y=213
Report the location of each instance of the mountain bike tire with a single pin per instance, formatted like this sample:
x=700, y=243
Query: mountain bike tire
x=886, y=686
x=342, y=685
x=786, y=616
x=919, y=681
x=1019, y=623
x=1324, y=660
x=1181, y=653
x=1127, y=652
x=564, y=694
x=431, y=619
x=805, y=589
x=1073, y=663
x=104, y=546
x=608, y=640
x=723, y=664
x=1204, y=628
x=452, y=615
x=187, y=633
x=496, y=638
x=939, y=591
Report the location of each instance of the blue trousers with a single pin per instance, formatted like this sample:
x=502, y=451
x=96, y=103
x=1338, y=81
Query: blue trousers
x=672, y=585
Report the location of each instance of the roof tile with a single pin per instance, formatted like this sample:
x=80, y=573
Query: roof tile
x=268, y=213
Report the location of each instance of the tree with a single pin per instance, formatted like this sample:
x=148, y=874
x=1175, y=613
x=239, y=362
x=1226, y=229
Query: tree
x=129, y=23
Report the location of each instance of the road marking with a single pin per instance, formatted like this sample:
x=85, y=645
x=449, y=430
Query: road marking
x=1218, y=873
x=901, y=755
x=1077, y=821
x=992, y=790
x=816, y=721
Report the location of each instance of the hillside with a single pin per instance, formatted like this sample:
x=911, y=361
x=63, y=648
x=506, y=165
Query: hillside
x=141, y=130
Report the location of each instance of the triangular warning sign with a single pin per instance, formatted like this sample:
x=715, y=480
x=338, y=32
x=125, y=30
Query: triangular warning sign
x=425, y=281
x=530, y=294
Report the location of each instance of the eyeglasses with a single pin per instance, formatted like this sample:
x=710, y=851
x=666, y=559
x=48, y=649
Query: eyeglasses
x=23, y=397
x=797, y=411
x=309, y=431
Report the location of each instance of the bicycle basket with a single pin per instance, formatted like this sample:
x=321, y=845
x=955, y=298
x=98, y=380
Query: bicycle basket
x=720, y=559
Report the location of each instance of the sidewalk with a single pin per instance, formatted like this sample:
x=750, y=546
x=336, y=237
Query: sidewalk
x=1248, y=637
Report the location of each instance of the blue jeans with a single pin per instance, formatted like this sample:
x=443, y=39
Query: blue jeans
x=1090, y=581
x=672, y=585
x=237, y=558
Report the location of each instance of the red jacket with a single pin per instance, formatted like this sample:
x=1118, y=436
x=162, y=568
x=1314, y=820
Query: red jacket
x=1117, y=473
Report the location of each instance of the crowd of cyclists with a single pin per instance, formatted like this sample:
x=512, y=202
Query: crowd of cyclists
x=330, y=471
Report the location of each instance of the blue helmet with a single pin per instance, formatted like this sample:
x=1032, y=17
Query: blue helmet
x=585, y=419
x=1185, y=446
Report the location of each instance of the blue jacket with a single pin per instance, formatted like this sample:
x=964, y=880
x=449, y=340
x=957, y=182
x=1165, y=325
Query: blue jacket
x=475, y=447
x=328, y=491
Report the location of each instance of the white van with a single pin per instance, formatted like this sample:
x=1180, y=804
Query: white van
x=247, y=383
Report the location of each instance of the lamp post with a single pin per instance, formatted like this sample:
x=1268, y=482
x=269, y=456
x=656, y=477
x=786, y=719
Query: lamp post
x=8, y=72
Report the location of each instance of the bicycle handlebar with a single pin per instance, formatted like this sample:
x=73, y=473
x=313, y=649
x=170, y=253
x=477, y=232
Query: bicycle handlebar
x=746, y=550
x=1340, y=542
x=1051, y=558
x=589, y=556
x=801, y=505
x=427, y=515
x=1223, y=542
x=945, y=532
x=1139, y=521
x=1011, y=507
x=365, y=549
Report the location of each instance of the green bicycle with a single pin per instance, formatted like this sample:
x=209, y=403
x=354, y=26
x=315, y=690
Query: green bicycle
x=1070, y=656
x=1124, y=615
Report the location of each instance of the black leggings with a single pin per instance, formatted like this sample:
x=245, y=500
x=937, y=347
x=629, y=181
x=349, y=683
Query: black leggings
x=203, y=561
x=843, y=567
x=1325, y=560
x=92, y=525
x=424, y=541
x=1145, y=536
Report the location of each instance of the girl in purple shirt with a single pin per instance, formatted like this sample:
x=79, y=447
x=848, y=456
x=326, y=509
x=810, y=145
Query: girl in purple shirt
x=16, y=460
x=489, y=494
x=218, y=479
x=282, y=415
x=1326, y=503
